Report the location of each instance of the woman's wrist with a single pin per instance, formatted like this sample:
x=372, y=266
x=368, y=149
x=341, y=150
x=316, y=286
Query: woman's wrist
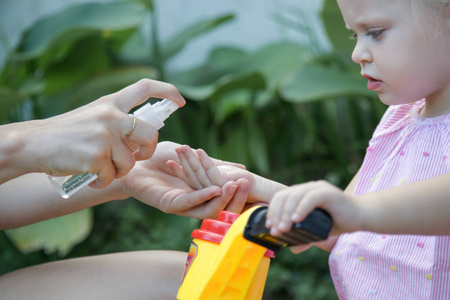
x=13, y=159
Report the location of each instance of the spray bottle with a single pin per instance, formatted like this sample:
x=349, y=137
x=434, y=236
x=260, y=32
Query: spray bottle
x=154, y=115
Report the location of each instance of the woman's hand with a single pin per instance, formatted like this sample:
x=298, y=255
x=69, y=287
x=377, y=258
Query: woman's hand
x=90, y=139
x=199, y=171
x=155, y=184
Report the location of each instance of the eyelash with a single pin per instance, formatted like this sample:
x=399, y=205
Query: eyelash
x=375, y=34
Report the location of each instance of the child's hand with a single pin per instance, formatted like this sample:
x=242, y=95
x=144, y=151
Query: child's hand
x=200, y=171
x=293, y=204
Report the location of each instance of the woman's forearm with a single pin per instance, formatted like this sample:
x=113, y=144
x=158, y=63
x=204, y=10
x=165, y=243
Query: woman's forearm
x=31, y=198
x=13, y=159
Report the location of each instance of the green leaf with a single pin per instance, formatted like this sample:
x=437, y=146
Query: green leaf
x=94, y=88
x=77, y=22
x=231, y=103
x=316, y=82
x=70, y=71
x=175, y=44
x=221, y=62
x=146, y=3
x=8, y=100
x=234, y=148
x=253, y=81
x=54, y=235
x=257, y=147
x=274, y=61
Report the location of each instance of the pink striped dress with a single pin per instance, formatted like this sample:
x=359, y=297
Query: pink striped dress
x=404, y=148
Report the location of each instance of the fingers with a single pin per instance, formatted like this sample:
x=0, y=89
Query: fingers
x=219, y=162
x=177, y=169
x=300, y=248
x=105, y=176
x=143, y=139
x=213, y=207
x=196, y=166
x=190, y=176
x=291, y=205
x=120, y=162
x=137, y=93
x=207, y=202
x=239, y=199
x=183, y=201
x=211, y=169
x=122, y=159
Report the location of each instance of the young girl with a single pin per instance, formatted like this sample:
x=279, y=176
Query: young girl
x=403, y=48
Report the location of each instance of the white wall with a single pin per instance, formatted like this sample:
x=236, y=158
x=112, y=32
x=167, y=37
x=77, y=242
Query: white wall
x=253, y=27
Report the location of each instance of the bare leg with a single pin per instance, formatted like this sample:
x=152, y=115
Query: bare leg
x=129, y=275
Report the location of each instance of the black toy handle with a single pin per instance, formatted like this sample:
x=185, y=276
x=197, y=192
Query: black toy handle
x=315, y=227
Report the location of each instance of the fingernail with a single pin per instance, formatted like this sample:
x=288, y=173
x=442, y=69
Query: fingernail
x=295, y=217
x=273, y=231
x=268, y=223
x=244, y=186
x=232, y=188
x=283, y=225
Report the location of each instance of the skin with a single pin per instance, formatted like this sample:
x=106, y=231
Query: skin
x=403, y=49
x=130, y=275
x=31, y=198
x=406, y=49
x=92, y=137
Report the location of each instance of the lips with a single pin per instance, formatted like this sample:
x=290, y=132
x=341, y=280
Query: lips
x=373, y=84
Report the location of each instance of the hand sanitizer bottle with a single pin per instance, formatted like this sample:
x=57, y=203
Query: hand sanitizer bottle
x=154, y=115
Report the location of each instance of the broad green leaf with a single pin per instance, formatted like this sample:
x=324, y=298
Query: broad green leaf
x=234, y=148
x=335, y=27
x=8, y=100
x=175, y=44
x=136, y=50
x=77, y=66
x=54, y=235
x=253, y=81
x=257, y=147
x=146, y=3
x=274, y=62
x=226, y=59
x=94, y=88
x=231, y=103
x=77, y=22
x=221, y=62
x=315, y=82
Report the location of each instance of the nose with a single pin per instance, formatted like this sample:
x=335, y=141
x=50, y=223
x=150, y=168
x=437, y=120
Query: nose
x=361, y=54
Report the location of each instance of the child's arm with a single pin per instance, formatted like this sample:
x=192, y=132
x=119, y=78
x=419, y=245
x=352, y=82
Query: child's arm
x=421, y=208
x=198, y=170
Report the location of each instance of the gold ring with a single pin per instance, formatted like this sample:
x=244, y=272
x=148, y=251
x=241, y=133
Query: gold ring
x=133, y=125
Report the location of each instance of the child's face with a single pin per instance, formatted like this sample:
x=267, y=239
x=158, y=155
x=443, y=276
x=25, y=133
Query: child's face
x=403, y=49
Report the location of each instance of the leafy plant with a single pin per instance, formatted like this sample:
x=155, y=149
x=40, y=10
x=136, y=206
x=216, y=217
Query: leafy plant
x=292, y=112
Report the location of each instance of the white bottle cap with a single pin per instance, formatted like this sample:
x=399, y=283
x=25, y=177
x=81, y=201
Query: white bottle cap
x=157, y=113
x=165, y=108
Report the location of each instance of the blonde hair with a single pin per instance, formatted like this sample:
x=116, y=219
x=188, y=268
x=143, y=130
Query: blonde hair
x=436, y=10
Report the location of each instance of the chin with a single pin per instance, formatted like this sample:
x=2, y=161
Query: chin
x=391, y=100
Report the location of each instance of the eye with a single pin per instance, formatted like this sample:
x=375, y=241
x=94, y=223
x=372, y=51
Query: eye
x=375, y=33
x=353, y=36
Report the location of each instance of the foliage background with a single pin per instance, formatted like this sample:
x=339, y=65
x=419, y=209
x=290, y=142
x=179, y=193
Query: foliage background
x=288, y=111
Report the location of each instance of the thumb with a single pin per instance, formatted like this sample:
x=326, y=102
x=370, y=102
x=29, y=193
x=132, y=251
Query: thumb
x=139, y=92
